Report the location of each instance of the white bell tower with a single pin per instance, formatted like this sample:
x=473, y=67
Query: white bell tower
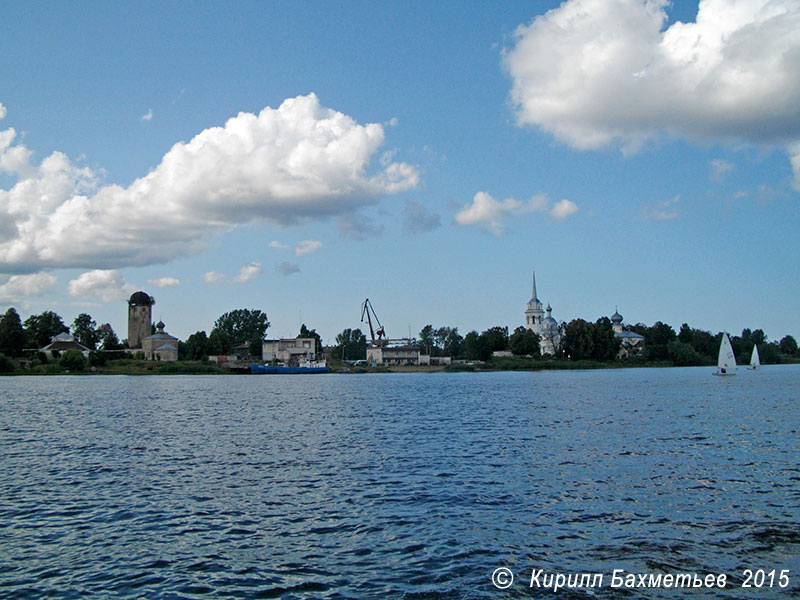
x=534, y=313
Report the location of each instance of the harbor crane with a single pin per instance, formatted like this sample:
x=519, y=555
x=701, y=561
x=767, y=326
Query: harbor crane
x=378, y=336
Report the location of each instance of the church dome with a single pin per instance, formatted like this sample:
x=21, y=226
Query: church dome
x=141, y=299
x=549, y=323
x=616, y=317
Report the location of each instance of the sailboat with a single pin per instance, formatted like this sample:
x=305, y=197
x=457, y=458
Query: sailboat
x=726, y=363
x=755, y=361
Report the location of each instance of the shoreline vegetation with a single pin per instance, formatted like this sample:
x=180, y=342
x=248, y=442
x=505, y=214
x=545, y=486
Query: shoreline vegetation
x=237, y=339
x=138, y=367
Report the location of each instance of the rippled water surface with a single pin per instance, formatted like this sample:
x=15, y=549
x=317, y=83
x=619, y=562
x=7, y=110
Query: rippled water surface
x=396, y=486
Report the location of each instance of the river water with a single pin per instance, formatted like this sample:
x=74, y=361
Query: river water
x=399, y=486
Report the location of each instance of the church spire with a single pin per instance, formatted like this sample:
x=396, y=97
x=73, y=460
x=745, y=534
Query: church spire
x=535, y=298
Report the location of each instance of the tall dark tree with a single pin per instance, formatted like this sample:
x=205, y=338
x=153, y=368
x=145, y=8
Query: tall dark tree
x=473, y=347
x=305, y=332
x=243, y=326
x=451, y=340
x=197, y=346
x=495, y=339
x=705, y=344
x=657, y=338
x=606, y=344
x=578, y=342
x=44, y=327
x=524, y=342
x=84, y=329
x=107, y=339
x=788, y=345
x=351, y=344
x=12, y=335
x=426, y=340
x=219, y=342
x=770, y=354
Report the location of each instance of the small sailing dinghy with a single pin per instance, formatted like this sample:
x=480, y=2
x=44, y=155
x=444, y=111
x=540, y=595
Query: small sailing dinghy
x=755, y=361
x=726, y=363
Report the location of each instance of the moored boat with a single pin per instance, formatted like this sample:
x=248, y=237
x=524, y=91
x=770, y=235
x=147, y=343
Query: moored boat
x=306, y=367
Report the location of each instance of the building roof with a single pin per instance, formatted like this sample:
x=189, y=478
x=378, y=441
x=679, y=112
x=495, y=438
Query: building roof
x=628, y=334
x=616, y=317
x=141, y=299
x=161, y=336
x=62, y=345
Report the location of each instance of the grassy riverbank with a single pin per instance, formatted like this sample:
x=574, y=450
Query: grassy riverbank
x=190, y=367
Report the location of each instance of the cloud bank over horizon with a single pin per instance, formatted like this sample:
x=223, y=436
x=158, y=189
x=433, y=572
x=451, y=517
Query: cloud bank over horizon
x=597, y=73
x=298, y=162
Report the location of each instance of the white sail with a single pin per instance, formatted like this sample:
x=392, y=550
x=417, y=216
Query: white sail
x=755, y=361
x=726, y=360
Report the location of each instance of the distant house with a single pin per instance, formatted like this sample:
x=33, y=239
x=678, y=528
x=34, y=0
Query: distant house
x=161, y=345
x=242, y=351
x=290, y=351
x=61, y=343
x=631, y=344
x=393, y=355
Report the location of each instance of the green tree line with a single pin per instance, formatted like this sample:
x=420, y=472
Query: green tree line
x=584, y=340
x=580, y=340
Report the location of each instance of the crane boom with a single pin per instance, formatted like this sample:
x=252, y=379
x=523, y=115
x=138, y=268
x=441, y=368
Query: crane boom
x=376, y=335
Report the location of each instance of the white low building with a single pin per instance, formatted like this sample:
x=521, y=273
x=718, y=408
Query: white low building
x=393, y=355
x=62, y=343
x=291, y=351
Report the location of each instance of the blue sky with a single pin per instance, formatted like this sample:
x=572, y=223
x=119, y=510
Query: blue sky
x=299, y=157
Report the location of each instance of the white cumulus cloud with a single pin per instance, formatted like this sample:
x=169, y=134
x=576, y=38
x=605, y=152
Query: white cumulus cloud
x=164, y=282
x=307, y=247
x=297, y=162
x=19, y=287
x=148, y=116
x=600, y=72
x=213, y=277
x=278, y=245
x=106, y=284
x=492, y=214
x=563, y=208
x=248, y=272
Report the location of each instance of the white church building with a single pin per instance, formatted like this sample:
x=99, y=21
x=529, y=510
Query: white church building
x=546, y=327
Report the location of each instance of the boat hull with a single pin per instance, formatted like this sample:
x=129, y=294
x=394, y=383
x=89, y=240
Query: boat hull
x=276, y=370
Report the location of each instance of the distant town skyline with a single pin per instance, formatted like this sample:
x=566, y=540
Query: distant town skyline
x=641, y=156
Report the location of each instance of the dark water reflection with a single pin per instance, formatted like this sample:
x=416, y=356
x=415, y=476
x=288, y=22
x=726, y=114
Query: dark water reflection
x=395, y=486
